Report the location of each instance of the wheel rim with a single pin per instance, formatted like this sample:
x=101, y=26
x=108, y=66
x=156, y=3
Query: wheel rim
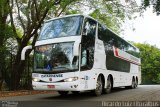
x=108, y=85
x=99, y=86
x=133, y=84
x=136, y=83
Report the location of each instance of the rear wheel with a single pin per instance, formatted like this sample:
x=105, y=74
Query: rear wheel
x=136, y=83
x=108, y=87
x=63, y=93
x=133, y=85
x=99, y=87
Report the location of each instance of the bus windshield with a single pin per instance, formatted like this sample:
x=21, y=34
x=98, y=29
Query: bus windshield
x=55, y=58
x=67, y=26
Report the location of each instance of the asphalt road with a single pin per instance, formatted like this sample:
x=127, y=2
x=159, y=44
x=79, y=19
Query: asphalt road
x=143, y=93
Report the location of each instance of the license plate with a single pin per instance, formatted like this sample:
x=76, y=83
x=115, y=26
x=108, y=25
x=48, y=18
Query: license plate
x=51, y=86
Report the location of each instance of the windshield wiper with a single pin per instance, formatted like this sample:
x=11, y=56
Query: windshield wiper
x=63, y=67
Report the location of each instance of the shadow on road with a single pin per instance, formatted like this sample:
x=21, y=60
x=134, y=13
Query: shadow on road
x=80, y=96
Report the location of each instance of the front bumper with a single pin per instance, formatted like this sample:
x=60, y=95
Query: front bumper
x=60, y=86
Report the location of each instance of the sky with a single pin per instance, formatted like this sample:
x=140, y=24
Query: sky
x=147, y=29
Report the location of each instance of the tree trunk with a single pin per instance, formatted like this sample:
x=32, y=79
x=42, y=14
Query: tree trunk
x=1, y=81
x=2, y=50
x=17, y=70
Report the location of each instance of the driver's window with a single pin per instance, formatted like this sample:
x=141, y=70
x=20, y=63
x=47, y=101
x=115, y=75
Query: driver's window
x=89, y=27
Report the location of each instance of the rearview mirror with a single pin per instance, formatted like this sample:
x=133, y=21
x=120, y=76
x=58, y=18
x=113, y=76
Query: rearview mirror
x=24, y=51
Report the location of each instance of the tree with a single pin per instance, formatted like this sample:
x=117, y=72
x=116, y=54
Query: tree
x=109, y=12
x=154, y=3
x=150, y=60
x=4, y=34
x=29, y=16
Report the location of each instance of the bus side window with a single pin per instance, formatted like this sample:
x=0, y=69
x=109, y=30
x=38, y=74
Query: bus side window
x=88, y=44
x=84, y=58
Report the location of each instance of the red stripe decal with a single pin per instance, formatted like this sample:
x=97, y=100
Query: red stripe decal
x=117, y=55
x=116, y=51
x=128, y=60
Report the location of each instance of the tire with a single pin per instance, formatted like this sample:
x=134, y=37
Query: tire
x=99, y=87
x=75, y=92
x=108, y=87
x=133, y=85
x=136, y=83
x=63, y=93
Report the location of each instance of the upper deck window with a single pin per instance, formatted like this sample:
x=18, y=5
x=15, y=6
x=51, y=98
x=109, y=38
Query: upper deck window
x=67, y=26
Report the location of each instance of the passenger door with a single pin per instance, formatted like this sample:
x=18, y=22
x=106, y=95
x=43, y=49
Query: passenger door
x=87, y=53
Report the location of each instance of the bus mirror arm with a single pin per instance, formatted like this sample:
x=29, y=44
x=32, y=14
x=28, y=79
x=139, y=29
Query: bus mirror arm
x=24, y=51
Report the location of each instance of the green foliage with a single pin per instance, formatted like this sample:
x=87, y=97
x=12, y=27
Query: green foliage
x=110, y=20
x=19, y=33
x=154, y=3
x=109, y=14
x=150, y=59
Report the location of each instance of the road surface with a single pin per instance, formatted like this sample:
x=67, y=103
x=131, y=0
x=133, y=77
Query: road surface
x=143, y=93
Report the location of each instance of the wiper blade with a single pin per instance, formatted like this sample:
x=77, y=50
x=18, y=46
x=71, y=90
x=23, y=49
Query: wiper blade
x=63, y=67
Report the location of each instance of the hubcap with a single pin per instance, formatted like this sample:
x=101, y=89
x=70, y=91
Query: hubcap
x=99, y=86
x=108, y=85
x=133, y=84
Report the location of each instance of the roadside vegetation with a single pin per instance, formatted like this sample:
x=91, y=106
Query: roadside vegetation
x=150, y=60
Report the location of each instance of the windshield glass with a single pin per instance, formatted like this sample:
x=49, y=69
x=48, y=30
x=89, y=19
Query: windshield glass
x=67, y=26
x=55, y=57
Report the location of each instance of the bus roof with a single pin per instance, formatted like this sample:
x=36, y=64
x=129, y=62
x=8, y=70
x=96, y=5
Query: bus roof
x=70, y=16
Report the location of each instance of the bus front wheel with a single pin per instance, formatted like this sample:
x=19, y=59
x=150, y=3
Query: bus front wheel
x=75, y=92
x=63, y=93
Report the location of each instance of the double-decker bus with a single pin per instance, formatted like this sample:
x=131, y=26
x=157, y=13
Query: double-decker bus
x=76, y=53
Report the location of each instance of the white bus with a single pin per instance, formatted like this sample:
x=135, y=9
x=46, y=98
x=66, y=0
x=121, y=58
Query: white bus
x=76, y=53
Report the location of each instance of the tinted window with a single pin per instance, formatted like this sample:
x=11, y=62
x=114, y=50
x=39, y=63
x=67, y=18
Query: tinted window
x=67, y=26
x=88, y=43
x=110, y=39
x=89, y=28
x=101, y=32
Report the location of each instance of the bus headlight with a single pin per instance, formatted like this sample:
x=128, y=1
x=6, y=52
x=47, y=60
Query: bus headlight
x=71, y=79
x=35, y=79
